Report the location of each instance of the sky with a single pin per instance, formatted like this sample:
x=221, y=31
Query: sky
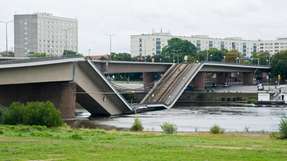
x=249, y=19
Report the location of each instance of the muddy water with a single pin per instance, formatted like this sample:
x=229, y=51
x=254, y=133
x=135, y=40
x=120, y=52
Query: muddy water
x=189, y=119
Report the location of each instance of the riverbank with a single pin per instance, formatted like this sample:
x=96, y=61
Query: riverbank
x=61, y=144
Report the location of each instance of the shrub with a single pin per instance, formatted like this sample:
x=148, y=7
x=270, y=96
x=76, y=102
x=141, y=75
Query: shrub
x=137, y=125
x=283, y=128
x=168, y=128
x=42, y=113
x=14, y=114
x=216, y=130
x=274, y=135
x=32, y=113
x=1, y=114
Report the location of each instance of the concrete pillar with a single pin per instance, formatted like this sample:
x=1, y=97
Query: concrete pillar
x=222, y=78
x=199, y=81
x=66, y=103
x=248, y=78
x=148, y=79
x=61, y=94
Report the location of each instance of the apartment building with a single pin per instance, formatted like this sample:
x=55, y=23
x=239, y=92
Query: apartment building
x=272, y=46
x=152, y=44
x=43, y=32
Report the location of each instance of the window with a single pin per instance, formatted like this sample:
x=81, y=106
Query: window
x=210, y=44
x=254, y=48
x=233, y=45
x=222, y=45
x=198, y=44
x=158, y=46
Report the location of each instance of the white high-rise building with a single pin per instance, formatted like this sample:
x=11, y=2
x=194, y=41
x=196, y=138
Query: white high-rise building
x=272, y=46
x=45, y=33
x=152, y=44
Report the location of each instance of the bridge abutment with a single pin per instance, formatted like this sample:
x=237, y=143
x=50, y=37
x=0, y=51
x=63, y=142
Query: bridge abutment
x=61, y=94
x=248, y=78
x=222, y=78
x=199, y=81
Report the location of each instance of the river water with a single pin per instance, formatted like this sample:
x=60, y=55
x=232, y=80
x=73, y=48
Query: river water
x=199, y=118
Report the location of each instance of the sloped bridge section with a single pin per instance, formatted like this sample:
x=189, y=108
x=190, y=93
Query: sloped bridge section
x=65, y=82
x=96, y=94
x=170, y=87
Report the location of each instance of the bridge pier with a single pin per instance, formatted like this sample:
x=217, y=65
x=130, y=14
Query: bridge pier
x=199, y=81
x=248, y=78
x=62, y=95
x=222, y=78
x=148, y=80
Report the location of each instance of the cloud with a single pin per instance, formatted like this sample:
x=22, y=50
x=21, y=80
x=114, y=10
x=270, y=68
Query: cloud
x=251, y=19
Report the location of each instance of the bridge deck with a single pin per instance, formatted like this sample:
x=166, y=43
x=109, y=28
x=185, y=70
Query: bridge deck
x=170, y=87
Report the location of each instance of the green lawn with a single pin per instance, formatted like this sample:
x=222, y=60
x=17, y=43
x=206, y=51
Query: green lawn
x=62, y=144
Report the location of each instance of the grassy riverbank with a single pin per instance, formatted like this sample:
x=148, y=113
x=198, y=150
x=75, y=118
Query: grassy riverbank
x=61, y=144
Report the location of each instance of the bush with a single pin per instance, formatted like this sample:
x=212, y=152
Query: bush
x=32, y=113
x=1, y=114
x=168, y=128
x=283, y=128
x=216, y=130
x=14, y=114
x=137, y=125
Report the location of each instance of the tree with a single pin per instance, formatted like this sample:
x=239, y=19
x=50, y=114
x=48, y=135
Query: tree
x=216, y=55
x=279, y=65
x=232, y=56
x=177, y=49
x=71, y=54
x=261, y=58
x=213, y=55
x=121, y=56
x=202, y=55
x=7, y=54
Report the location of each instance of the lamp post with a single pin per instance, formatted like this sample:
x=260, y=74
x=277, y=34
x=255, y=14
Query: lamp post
x=110, y=42
x=6, y=25
x=210, y=57
x=237, y=60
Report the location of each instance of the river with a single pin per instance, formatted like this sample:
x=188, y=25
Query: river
x=200, y=118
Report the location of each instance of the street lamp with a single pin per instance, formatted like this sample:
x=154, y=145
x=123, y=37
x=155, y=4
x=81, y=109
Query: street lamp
x=237, y=60
x=6, y=24
x=110, y=42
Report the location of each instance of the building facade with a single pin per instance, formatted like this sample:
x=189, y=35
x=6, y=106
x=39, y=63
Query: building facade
x=272, y=46
x=152, y=44
x=45, y=33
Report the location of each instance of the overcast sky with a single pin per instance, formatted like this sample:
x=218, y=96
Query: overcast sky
x=249, y=19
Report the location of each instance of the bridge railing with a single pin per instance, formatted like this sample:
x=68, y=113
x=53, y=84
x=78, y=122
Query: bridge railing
x=235, y=64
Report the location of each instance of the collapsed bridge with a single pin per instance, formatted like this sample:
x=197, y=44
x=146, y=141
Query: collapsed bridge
x=68, y=82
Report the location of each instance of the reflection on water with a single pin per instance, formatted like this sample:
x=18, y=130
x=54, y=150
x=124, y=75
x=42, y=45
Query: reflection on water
x=190, y=119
